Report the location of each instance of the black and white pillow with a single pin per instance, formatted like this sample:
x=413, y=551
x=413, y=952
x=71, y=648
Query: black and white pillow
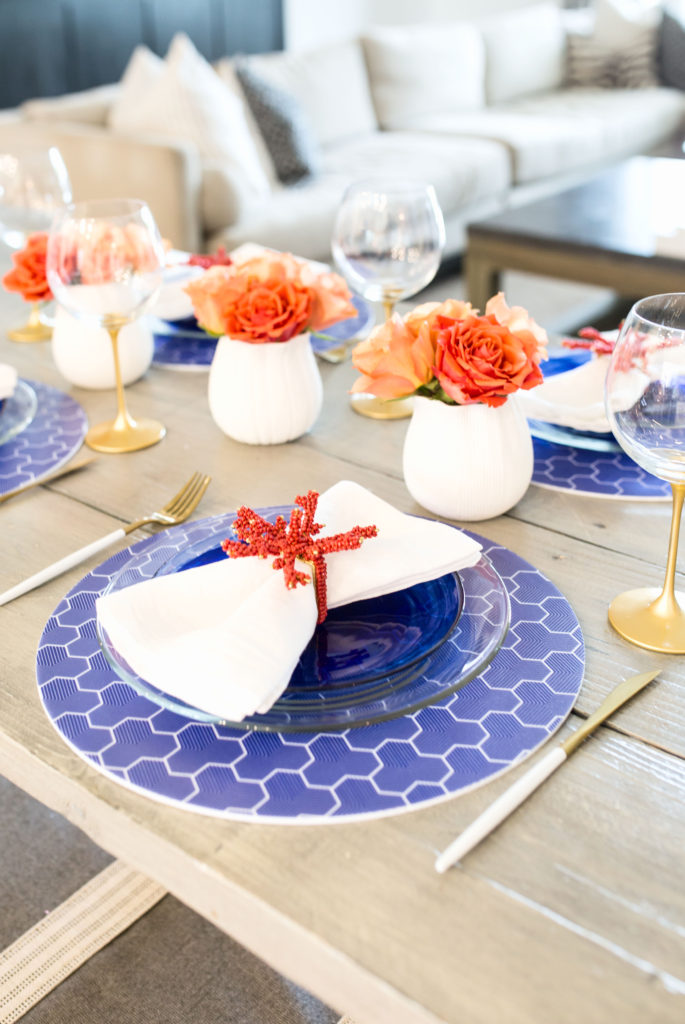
x=283, y=125
x=593, y=63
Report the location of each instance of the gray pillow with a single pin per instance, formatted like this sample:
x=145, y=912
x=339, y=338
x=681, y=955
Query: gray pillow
x=283, y=125
x=672, y=47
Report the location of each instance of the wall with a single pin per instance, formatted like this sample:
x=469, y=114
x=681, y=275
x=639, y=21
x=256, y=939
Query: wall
x=307, y=23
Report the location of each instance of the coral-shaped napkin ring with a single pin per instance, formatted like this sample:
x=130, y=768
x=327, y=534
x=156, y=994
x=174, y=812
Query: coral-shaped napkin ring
x=292, y=541
x=592, y=339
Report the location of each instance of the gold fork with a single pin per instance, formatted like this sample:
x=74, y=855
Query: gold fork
x=175, y=511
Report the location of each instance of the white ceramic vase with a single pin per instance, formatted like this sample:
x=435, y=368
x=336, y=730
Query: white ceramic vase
x=83, y=355
x=265, y=393
x=467, y=462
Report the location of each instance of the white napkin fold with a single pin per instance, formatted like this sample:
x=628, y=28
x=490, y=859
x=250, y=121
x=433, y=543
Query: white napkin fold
x=226, y=637
x=571, y=399
x=8, y=380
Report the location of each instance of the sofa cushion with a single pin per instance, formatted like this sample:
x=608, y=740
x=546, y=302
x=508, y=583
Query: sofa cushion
x=330, y=84
x=524, y=52
x=672, y=47
x=91, y=106
x=187, y=100
x=465, y=172
x=620, y=51
x=424, y=69
x=566, y=130
x=283, y=125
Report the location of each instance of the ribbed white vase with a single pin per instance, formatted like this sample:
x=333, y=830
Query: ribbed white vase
x=467, y=462
x=265, y=394
x=82, y=351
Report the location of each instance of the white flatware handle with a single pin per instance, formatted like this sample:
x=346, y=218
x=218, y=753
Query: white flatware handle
x=68, y=562
x=500, y=809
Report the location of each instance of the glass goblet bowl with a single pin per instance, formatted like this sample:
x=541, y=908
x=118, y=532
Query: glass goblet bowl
x=645, y=402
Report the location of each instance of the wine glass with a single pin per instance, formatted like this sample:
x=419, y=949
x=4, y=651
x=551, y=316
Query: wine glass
x=104, y=264
x=34, y=183
x=387, y=242
x=645, y=401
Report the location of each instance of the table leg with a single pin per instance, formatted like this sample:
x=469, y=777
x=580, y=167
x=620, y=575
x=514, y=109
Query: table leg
x=482, y=279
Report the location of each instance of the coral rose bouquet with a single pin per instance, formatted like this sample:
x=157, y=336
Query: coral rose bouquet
x=448, y=352
x=271, y=298
x=264, y=384
x=468, y=452
x=28, y=278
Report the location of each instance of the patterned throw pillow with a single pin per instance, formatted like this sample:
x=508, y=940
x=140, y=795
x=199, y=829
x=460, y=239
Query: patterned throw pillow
x=591, y=63
x=286, y=133
x=619, y=49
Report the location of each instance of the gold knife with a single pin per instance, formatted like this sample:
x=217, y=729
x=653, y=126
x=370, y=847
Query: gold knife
x=55, y=475
x=535, y=776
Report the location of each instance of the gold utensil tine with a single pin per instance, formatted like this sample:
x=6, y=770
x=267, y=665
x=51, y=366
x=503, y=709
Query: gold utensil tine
x=179, y=507
x=175, y=511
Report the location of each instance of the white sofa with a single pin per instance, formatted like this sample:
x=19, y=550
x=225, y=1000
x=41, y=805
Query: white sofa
x=480, y=109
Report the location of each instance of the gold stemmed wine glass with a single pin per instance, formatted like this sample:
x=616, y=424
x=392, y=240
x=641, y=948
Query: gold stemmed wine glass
x=34, y=184
x=387, y=242
x=645, y=400
x=104, y=264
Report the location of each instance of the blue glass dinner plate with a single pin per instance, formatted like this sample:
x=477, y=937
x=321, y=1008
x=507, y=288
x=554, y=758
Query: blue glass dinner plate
x=370, y=661
x=17, y=411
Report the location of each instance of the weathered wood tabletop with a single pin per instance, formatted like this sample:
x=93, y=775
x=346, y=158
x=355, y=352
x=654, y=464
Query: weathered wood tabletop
x=573, y=910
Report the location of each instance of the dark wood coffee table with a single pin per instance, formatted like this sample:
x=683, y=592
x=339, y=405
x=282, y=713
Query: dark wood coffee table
x=624, y=229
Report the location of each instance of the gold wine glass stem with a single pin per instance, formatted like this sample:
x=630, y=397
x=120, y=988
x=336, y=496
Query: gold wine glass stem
x=666, y=604
x=123, y=418
x=34, y=316
x=388, y=307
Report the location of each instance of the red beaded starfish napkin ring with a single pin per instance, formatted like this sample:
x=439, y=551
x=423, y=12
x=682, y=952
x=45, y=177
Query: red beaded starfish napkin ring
x=292, y=541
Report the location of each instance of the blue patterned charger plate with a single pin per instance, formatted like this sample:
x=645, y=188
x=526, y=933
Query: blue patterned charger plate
x=47, y=439
x=585, y=462
x=183, y=345
x=501, y=716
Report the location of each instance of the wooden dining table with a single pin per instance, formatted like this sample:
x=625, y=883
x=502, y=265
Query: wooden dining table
x=573, y=910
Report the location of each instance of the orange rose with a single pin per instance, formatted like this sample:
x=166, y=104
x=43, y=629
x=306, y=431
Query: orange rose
x=394, y=361
x=430, y=312
x=28, y=275
x=479, y=359
x=271, y=310
x=517, y=319
x=271, y=297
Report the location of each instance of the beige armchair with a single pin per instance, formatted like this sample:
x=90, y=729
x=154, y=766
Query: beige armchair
x=102, y=165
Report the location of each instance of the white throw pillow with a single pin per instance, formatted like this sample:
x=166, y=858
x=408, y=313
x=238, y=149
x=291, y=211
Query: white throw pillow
x=330, y=84
x=424, y=69
x=188, y=101
x=142, y=73
x=524, y=52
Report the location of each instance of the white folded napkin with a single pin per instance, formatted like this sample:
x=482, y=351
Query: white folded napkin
x=572, y=399
x=8, y=380
x=226, y=637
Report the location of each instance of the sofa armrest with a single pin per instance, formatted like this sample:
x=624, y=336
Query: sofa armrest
x=103, y=165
